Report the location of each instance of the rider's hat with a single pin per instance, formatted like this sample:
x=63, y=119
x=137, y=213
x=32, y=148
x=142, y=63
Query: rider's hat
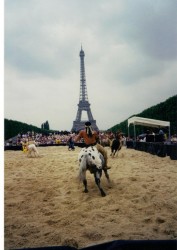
x=88, y=123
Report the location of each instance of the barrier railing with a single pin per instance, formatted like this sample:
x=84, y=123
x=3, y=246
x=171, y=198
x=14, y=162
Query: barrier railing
x=160, y=149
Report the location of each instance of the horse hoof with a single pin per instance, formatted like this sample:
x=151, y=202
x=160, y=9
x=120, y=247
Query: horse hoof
x=103, y=194
x=86, y=191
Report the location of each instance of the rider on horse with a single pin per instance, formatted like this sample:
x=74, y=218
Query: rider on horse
x=91, y=138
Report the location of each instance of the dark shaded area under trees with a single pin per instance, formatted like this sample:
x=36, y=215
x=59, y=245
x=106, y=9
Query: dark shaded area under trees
x=13, y=128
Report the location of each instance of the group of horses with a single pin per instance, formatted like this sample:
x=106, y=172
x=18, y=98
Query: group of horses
x=89, y=159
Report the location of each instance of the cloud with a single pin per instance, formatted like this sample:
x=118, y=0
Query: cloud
x=130, y=58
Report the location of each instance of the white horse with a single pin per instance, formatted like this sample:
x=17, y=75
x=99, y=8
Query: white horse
x=91, y=159
x=32, y=149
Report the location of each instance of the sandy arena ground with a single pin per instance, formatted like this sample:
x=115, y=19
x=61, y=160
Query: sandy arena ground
x=45, y=204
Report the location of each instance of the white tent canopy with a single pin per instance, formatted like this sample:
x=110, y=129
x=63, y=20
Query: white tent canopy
x=147, y=122
x=135, y=120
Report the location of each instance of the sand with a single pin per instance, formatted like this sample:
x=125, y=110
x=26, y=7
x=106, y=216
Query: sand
x=45, y=204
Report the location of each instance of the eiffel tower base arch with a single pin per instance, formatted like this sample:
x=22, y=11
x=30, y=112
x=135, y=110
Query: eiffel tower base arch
x=80, y=125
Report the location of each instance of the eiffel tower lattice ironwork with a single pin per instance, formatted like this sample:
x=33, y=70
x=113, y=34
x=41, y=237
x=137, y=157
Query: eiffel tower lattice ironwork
x=84, y=104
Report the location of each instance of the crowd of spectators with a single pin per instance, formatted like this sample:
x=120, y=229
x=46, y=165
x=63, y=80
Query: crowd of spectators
x=150, y=136
x=40, y=139
x=53, y=138
x=63, y=138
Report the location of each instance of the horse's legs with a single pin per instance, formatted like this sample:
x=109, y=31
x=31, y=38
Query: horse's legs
x=106, y=174
x=112, y=152
x=82, y=175
x=29, y=153
x=85, y=185
x=97, y=180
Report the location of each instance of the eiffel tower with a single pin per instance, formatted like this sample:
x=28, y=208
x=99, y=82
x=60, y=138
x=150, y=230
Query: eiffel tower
x=84, y=104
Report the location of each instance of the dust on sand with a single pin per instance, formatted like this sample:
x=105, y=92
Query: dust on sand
x=45, y=204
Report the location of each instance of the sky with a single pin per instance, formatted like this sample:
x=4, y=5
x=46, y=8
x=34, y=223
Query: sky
x=130, y=59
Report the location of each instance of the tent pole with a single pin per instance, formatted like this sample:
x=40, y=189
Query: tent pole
x=134, y=132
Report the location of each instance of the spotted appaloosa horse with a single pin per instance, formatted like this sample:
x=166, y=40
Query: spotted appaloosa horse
x=91, y=159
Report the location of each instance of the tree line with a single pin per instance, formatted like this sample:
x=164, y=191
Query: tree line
x=13, y=128
x=165, y=111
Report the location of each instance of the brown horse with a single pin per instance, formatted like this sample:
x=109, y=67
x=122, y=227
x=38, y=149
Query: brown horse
x=115, y=146
x=105, y=142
